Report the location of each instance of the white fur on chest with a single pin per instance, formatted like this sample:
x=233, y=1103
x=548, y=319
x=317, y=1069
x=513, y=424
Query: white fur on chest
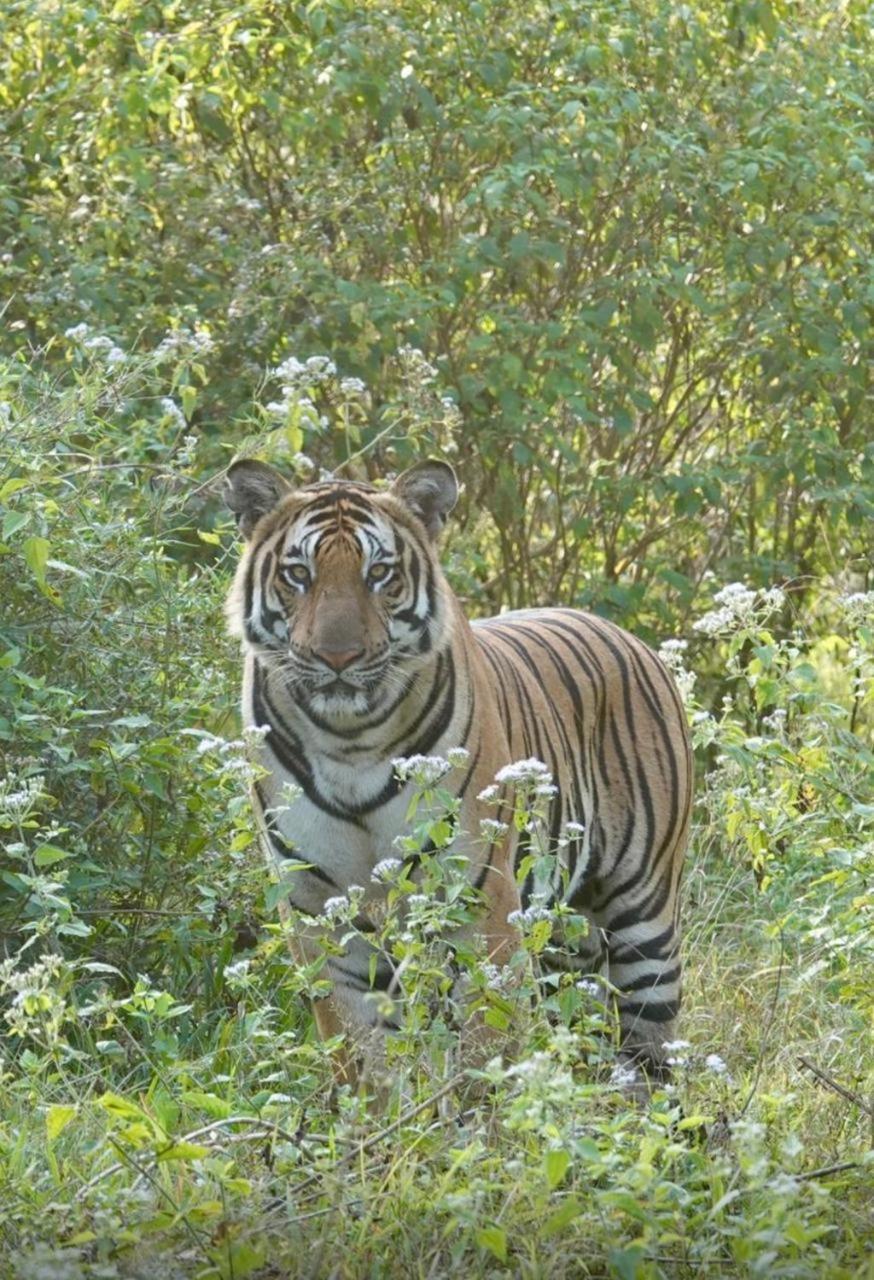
x=345, y=851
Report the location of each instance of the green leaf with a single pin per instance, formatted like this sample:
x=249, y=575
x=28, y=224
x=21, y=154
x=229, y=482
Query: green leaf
x=57, y=1119
x=48, y=854
x=211, y=1103
x=183, y=1151
x=121, y=1108
x=556, y=1164
x=36, y=554
x=559, y=1220
x=12, y=485
x=495, y=1240
x=13, y=521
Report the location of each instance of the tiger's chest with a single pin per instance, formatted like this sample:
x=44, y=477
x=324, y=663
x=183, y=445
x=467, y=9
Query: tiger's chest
x=339, y=824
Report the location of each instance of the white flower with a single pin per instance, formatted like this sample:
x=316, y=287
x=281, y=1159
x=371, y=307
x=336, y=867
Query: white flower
x=78, y=332
x=335, y=907
x=458, y=757
x=235, y=974
x=170, y=409
x=739, y=606
x=735, y=595
x=179, y=343
x=673, y=1046
x=623, y=1076
x=858, y=608
x=17, y=797
x=185, y=456
x=573, y=829
x=492, y=830
x=774, y=597
x=537, y=1067
x=530, y=770
x=290, y=370
x=386, y=869
x=303, y=463
x=529, y=916
x=416, y=365
x=352, y=387
x=488, y=793
x=717, y=1065
x=546, y=789
x=320, y=368
x=426, y=770
x=589, y=987
x=714, y=623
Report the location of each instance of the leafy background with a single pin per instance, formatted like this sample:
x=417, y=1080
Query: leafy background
x=614, y=261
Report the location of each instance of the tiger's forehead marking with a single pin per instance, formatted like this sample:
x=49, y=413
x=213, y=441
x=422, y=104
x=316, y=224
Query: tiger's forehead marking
x=342, y=512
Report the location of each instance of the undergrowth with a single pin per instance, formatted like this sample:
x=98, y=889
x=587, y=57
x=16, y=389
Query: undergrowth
x=166, y=1106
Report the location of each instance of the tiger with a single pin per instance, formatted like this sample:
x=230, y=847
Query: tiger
x=357, y=652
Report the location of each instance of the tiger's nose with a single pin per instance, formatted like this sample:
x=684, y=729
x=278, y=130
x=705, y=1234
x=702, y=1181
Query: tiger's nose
x=339, y=659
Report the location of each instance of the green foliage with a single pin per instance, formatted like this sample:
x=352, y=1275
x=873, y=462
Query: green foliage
x=631, y=238
x=610, y=258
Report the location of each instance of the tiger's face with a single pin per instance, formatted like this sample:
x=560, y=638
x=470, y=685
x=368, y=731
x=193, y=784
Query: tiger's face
x=339, y=587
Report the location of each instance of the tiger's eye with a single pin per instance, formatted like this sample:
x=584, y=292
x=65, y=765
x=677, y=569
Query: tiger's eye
x=379, y=573
x=298, y=573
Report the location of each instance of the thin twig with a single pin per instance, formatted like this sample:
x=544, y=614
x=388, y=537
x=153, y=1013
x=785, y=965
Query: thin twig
x=826, y=1170
x=831, y=1083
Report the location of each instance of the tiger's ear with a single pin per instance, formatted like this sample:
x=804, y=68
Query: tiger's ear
x=430, y=490
x=251, y=490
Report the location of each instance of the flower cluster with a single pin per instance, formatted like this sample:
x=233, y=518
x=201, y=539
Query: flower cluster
x=672, y=654
x=314, y=372
x=386, y=869
x=739, y=606
x=425, y=770
x=18, y=798
x=529, y=916
x=343, y=906
x=182, y=344
x=859, y=608
x=235, y=754
x=530, y=771
x=97, y=343
x=415, y=366
x=170, y=409
x=493, y=830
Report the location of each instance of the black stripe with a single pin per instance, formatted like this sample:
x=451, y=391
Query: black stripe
x=654, y=1011
x=652, y=980
x=649, y=949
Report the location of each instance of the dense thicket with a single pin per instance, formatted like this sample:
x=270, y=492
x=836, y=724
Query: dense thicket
x=634, y=239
